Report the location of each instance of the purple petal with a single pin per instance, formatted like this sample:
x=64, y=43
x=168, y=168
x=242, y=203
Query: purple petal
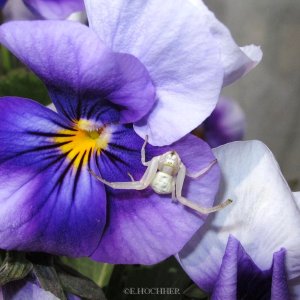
x=85, y=79
x=72, y=297
x=225, y=124
x=48, y=201
x=240, y=278
x=2, y=3
x=144, y=227
x=54, y=9
x=263, y=216
x=280, y=289
x=182, y=56
x=25, y=290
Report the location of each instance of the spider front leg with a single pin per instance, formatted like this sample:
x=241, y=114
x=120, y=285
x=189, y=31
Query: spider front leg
x=203, y=171
x=203, y=210
x=143, y=153
x=143, y=183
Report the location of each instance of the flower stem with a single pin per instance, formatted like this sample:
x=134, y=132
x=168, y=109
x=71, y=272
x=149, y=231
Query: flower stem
x=105, y=274
x=6, y=60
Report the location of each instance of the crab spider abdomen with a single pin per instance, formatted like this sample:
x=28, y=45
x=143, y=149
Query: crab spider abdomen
x=162, y=183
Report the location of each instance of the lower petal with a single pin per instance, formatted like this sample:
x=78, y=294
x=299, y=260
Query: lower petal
x=47, y=203
x=263, y=215
x=143, y=226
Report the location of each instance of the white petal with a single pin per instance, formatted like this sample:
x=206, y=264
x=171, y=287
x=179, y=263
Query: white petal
x=237, y=61
x=263, y=217
x=52, y=107
x=297, y=198
x=172, y=40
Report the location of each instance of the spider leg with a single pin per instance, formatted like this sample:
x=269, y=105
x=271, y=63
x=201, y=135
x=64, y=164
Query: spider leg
x=143, y=183
x=203, y=210
x=174, y=191
x=131, y=177
x=203, y=171
x=143, y=153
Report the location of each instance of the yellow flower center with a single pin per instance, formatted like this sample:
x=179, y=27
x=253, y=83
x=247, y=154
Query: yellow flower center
x=85, y=139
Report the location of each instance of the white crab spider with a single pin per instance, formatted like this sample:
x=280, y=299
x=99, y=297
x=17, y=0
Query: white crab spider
x=165, y=174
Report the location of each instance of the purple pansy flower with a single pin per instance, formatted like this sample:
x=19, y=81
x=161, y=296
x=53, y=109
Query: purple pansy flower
x=41, y=9
x=251, y=250
x=49, y=200
x=188, y=53
x=225, y=124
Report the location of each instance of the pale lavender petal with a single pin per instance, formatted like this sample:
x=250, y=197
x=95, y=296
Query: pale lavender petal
x=263, y=216
x=84, y=78
x=144, y=227
x=55, y=9
x=182, y=56
x=237, y=61
x=297, y=198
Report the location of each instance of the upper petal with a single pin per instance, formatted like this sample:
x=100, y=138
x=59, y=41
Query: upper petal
x=48, y=202
x=182, y=56
x=85, y=79
x=237, y=61
x=145, y=227
x=54, y=9
x=263, y=216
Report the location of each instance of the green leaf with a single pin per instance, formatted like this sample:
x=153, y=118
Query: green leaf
x=48, y=280
x=22, y=83
x=14, y=267
x=77, y=284
x=5, y=59
x=194, y=292
x=45, y=273
x=99, y=273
